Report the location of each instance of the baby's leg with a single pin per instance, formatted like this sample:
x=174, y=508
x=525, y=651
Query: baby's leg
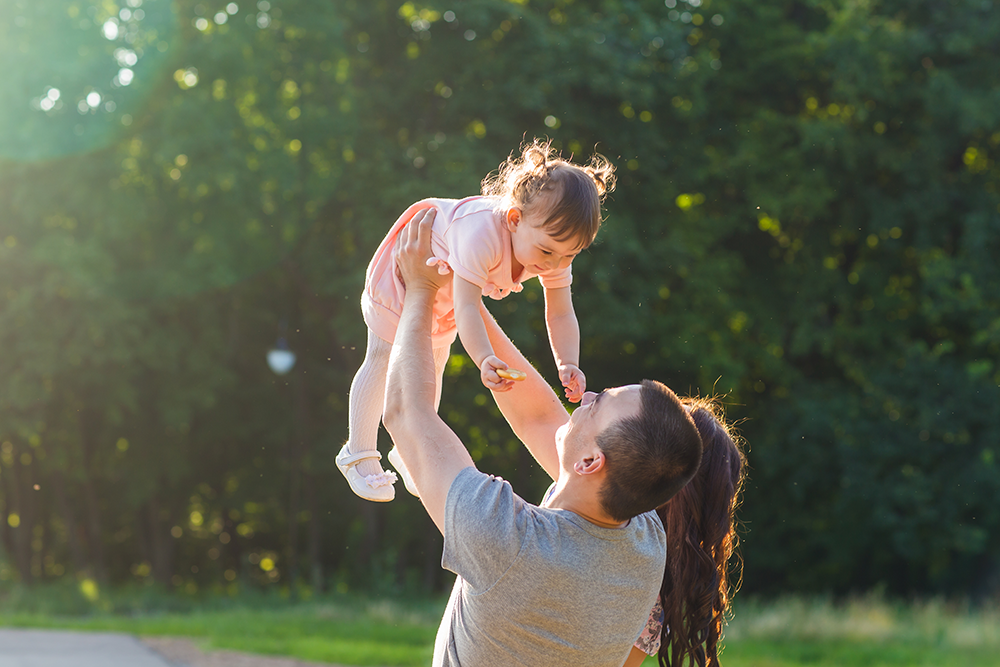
x=366, y=401
x=441, y=355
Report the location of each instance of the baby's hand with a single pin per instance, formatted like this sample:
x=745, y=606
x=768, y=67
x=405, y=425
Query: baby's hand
x=488, y=374
x=574, y=380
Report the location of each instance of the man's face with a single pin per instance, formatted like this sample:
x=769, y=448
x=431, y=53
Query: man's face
x=596, y=413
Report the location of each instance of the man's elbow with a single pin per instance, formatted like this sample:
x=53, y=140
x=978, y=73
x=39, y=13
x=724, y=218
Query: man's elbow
x=401, y=414
x=393, y=414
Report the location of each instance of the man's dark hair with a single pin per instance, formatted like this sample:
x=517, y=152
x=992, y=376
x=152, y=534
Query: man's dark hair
x=649, y=457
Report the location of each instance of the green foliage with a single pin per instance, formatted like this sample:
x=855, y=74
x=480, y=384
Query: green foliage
x=806, y=222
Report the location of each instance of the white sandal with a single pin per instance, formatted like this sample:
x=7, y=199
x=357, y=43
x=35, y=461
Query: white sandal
x=397, y=462
x=377, y=488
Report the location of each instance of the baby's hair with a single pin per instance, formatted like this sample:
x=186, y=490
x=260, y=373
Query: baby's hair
x=573, y=193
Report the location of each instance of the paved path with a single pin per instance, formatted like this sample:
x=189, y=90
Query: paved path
x=59, y=648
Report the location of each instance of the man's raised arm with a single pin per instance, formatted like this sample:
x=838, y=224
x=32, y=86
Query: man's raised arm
x=532, y=409
x=432, y=452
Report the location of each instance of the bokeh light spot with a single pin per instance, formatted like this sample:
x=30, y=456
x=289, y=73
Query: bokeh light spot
x=88, y=587
x=110, y=29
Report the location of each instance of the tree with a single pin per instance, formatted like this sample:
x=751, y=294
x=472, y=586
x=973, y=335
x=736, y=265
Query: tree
x=805, y=221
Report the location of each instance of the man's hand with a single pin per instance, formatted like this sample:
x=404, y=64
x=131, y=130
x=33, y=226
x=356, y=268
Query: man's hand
x=413, y=249
x=574, y=381
x=488, y=374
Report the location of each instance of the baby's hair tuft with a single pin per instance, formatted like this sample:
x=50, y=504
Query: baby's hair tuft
x=572, y=193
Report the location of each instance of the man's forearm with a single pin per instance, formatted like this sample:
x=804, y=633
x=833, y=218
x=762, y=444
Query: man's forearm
x=431, y=451
x=411, y=377
x=531, y=408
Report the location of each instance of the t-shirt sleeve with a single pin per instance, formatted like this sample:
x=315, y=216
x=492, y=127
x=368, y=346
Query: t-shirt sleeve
x=558, y=278
x=484, y=528
x=474, y=244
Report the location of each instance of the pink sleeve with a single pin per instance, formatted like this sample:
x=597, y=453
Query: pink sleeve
x=475, y=248
x=649, y=641
x=557, y=279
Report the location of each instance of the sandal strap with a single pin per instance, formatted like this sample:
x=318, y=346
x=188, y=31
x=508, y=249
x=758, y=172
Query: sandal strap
x=351, y=459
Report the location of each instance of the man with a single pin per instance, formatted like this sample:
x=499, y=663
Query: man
x=570, y=582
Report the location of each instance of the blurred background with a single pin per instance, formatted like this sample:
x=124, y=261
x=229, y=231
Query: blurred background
x=807, y=224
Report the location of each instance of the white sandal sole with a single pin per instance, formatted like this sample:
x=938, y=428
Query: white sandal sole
x=397, y=462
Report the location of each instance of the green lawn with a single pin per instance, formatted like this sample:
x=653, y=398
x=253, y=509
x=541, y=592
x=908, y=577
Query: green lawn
x=794, y=632
x=362, y=633
x=797, y=632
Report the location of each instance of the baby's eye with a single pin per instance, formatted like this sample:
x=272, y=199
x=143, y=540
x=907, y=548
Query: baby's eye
x=546, y=252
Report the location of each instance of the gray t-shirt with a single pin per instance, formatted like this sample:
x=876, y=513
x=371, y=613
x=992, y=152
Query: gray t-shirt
x=539, y=586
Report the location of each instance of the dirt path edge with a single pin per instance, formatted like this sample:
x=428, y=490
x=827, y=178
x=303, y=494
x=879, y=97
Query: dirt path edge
x=181, y=652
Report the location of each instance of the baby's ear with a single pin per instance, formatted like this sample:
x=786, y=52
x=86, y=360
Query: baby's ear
x=513, y=218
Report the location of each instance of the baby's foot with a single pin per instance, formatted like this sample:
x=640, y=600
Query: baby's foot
x=375, y=486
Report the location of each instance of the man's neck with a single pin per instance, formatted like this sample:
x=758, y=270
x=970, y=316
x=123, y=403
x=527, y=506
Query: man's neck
x=572, y=497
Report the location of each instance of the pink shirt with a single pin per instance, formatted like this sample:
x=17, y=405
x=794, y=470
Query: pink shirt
x=469, y=237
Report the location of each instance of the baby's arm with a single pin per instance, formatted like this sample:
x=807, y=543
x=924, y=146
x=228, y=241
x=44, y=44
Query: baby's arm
x=472, y=331
x=564, y=336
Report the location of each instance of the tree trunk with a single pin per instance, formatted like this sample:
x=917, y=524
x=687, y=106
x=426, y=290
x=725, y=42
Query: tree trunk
x=432, y=555
x=95, y=532
x=234, y=548
x=372, y=519
x=76, y=550
x=24, y=533
x=15, y=539
x=315, y=534
x=293, y=519
x=162, y=543
x=6, y=534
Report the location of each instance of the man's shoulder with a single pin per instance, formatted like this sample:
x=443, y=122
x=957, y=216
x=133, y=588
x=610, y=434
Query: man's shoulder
x=650, y=520
x=648, y=528
x=485, y=527
x=472, y=486
x=485, y=503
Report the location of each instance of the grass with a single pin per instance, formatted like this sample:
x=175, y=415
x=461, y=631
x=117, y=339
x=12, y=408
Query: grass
x=380, y=634
x=342, y=629
x=798, y=632
x=792, y=632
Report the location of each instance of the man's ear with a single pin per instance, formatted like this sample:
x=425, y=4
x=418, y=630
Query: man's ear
x=513, y=218
x=592, y=464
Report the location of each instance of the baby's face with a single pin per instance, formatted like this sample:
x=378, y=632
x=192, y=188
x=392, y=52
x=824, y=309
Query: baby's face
x=536, y=250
